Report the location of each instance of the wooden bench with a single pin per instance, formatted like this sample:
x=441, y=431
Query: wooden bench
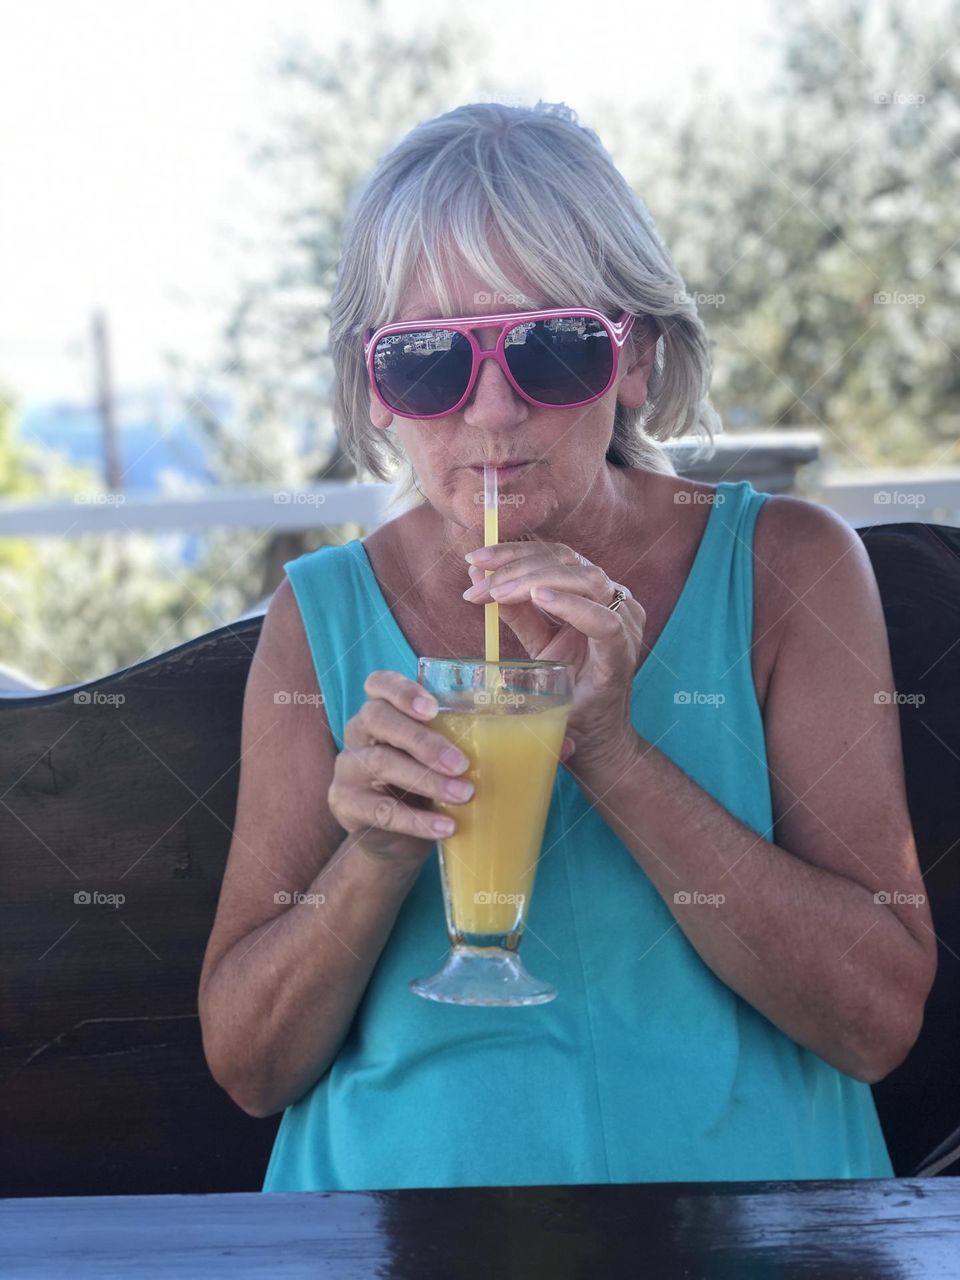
x=105, y=1087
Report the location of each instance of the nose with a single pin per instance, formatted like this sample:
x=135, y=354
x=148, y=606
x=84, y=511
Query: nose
x=493, y=401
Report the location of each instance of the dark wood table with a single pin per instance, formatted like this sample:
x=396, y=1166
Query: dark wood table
x=904, y=1228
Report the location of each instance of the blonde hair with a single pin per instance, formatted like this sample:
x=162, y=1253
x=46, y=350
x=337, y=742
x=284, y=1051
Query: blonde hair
x=558, y=203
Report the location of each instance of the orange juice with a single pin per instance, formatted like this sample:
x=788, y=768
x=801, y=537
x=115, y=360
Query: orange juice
x=490, y=861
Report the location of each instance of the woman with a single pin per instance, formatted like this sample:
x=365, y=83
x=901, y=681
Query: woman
x=727, y=898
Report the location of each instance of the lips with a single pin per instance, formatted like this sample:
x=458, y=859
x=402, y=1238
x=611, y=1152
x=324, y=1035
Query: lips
x=505, y=466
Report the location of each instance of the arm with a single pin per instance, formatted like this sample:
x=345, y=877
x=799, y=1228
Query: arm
x=281, y=981
x=800, y=933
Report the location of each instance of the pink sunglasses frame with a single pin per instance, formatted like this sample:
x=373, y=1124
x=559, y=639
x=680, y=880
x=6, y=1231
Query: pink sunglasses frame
x=619, y=331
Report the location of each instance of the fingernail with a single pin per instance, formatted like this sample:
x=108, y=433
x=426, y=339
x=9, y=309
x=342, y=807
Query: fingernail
x=459, y=789
x=480, y=556
x=453, y=759
x=425, y=706
x=442, y=826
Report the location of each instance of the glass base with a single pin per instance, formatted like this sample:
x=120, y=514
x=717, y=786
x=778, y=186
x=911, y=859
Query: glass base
x=483, y=976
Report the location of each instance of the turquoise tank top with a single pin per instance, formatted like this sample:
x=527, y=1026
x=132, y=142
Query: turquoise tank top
x=646, y=1066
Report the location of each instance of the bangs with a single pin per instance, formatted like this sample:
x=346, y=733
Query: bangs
x=452, y=216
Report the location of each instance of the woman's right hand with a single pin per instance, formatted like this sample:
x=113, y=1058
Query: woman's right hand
x=391, y=767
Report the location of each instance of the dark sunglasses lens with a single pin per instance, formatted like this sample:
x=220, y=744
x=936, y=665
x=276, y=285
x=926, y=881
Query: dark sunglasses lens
x=422, y=372
x=562, y=361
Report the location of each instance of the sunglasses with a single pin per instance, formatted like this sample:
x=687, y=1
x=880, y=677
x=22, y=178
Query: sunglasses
x=558, y=358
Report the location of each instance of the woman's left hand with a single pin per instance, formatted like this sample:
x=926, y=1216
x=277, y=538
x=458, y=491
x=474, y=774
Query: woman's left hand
x=576, y=626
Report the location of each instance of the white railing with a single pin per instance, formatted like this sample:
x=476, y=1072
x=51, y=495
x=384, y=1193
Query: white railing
x=332, y=503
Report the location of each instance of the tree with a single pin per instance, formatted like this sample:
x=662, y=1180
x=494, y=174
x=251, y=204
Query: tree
x=825, y=234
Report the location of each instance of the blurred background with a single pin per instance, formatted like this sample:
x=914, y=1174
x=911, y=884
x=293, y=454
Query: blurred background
x=174, y=177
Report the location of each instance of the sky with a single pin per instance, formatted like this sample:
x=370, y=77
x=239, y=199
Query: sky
x=126, y=130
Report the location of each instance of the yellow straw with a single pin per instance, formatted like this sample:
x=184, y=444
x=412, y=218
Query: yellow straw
x=491, y=612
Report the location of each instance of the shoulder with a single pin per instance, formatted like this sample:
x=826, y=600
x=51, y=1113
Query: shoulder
x=797, y=541
x=282, y=657
x=815, y=578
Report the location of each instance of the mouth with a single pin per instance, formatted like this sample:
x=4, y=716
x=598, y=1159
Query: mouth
x=507, y=469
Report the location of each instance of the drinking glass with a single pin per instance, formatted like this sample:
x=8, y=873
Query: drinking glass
x=509, y=719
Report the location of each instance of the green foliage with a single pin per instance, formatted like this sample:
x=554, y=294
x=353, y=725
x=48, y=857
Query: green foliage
x=804, y=218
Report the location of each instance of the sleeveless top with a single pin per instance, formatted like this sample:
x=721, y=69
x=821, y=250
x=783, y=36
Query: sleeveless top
x=646, y=1066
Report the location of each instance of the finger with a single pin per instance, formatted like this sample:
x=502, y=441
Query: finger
x=516, y=569
x=590, y=581
x=364, y=812
x=595, y=621
x=380, y=766
x=379, y=721
x=504, y=552
x=401, y=692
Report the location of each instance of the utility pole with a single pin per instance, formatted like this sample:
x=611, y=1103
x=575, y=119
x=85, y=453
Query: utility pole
x=113, y=478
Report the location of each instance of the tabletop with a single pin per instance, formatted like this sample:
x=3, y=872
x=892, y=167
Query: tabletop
x=904, y=1228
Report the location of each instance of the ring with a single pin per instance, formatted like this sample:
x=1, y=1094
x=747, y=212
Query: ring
x=619, y=595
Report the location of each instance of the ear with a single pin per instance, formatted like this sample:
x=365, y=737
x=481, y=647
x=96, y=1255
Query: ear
x=380, y=415
x=639, y=356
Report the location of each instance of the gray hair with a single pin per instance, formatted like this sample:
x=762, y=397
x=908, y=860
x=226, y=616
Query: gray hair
x=557, y=201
